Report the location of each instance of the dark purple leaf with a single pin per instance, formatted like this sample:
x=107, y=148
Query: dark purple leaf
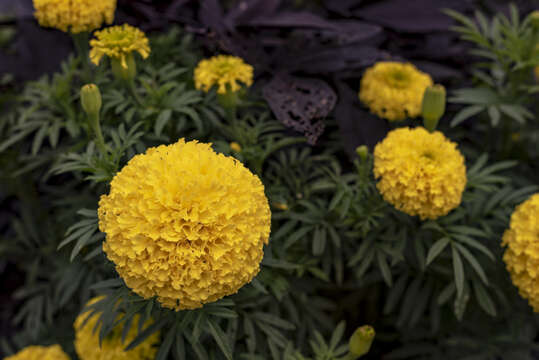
x=328, y=60
x=299, y=102
x=357, y=126
x=437, y=71
x=411, y=15
x=342, y=7
x=245, y=10
x=211, y=15
x=291, y=19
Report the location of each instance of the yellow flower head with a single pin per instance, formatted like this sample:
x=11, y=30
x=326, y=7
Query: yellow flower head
x=112, y=347
x=394, y=91
x=185, y=224
x=223, y=71
x=74, y=16
x=420, y=173
x=118, y=42
x=53, y=352
x=522, y=254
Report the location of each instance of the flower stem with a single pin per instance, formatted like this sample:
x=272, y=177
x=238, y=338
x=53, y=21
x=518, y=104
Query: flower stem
x=81, y=44
x=133, y=91
x=96, y=127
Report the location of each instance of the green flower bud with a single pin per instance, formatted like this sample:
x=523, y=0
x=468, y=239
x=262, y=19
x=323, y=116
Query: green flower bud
x=433, y=106
x=534, y=19
x=121, y=72
x=362, y=151
x=361, y=340
x=90, y=97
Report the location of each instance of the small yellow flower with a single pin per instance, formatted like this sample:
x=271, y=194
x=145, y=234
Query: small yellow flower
x=521, y=256
x=394, y=91
x=74, y=16
x=420, y=173
x=119, y=42
x=185, y=224
x=234, y=146
x=53, y=352
x=223, y=71
x=112, y=347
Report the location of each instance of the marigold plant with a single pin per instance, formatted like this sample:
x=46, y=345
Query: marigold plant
x=420, y=173
x=522, y=250
x=185, y=224
x=74, y=16
x=224, y=71
x=393, y=90
x=53, y=352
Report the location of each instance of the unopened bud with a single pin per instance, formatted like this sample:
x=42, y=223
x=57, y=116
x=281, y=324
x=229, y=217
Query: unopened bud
x=433, y=106
x=361, y=340
x=234, y=146
x=362, y=151
x=90, y=97
x=534, y=19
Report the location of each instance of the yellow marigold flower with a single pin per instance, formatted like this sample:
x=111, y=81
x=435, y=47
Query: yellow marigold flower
x=53, y=352
x=522, y=254
x=420, y=173
x=185, y=224
x=74, y=16
x=393, y=90
x=112, y=347
x=223, y=71
x=119, y=42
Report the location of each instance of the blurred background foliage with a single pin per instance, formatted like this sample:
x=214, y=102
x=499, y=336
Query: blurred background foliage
x=432, y=290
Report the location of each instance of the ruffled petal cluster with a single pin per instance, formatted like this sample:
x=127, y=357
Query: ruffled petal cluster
x=118, y=42
x=53, y=352
x=521, y=256
x=420, y=173
x=225, y=72
x=74, y=16
x=394, y=91
x=112, y=347
x=185, y=224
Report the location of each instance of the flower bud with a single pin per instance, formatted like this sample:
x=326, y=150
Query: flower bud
x=433, y=106
x=234, y=146
x=90, y=97
x=126, y=70
x=361, y=340
x=362, y=151
x=534, y=19
x=280, y=206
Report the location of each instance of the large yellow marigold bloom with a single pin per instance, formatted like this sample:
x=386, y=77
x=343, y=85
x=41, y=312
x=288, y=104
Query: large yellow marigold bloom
x=185, y=224
x=53, y=352
x=393, y=90
x=420, y=173
x=119, y=42
x=522, y=254
x=74, y=16
x=112, y=347
x=223, y=71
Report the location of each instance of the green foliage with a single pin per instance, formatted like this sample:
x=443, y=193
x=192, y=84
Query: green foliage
x=506, y=85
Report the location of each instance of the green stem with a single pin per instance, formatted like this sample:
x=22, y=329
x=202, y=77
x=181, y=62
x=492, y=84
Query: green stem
x=96, y=127
x=81, y=44
x=133, y=91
